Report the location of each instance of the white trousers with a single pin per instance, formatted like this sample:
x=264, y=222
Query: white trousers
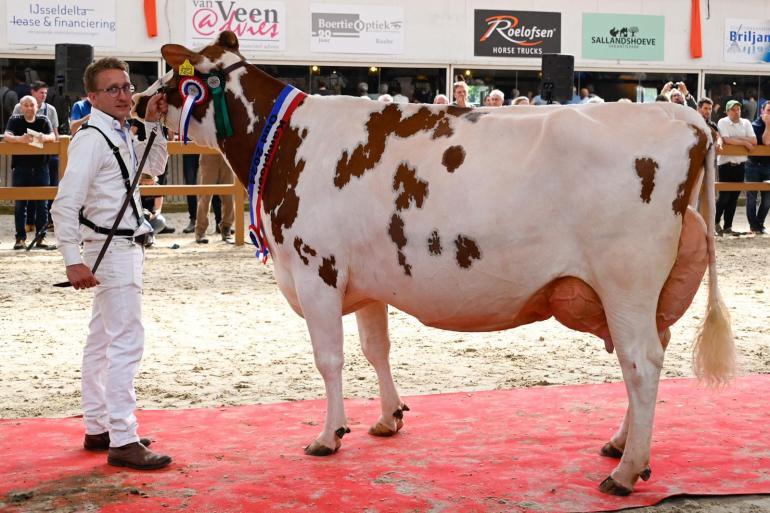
x=115, y=342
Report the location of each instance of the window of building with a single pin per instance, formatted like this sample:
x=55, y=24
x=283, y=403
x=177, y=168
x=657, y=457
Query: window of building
x=510, y=81
x=751, y=90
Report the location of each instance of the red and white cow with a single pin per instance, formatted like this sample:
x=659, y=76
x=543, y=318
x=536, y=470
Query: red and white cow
x=477, y=220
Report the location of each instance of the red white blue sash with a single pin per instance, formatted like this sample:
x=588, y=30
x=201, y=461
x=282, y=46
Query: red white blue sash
x=288, y=100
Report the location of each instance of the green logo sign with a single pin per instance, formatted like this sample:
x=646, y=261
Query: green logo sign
x=623, y=37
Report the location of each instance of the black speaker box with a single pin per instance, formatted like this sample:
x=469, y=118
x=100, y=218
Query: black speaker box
x=71, y=63
x=558, y=75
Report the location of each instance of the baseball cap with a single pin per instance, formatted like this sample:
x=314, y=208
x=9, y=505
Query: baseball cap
x=731, y=104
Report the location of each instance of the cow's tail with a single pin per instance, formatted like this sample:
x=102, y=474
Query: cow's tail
x=714, y=349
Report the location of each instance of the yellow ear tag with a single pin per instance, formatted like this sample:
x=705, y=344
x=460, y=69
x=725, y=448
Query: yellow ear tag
x=186, y=69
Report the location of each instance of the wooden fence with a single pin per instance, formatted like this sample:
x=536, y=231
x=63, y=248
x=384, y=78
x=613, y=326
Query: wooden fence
x=237, y=190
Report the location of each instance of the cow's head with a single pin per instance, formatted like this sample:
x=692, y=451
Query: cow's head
x=190, y=72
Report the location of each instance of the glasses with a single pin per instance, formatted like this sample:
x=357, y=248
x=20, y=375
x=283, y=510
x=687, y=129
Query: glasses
x=114, y=91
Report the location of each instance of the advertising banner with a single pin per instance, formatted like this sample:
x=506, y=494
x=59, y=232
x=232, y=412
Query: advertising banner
x=48, y=22
x=498, y=33
x=356, y=29
x=623, y=37
x=259, y=25
x=747, y=41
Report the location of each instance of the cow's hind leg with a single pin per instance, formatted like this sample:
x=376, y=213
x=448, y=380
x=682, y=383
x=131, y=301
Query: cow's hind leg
x=322, y=308
x=640, y=354
x=373, y=331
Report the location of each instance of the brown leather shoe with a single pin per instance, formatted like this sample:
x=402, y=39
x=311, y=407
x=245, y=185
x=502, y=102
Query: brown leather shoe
x=136, y=456
x=101, y=442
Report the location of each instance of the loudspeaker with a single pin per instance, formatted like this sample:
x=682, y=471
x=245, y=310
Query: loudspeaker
x=71, y=63
x=558, y=76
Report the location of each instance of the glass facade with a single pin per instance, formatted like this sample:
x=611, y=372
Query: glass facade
x=751, y=90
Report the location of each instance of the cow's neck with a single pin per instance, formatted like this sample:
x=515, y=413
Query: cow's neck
x=261, y=90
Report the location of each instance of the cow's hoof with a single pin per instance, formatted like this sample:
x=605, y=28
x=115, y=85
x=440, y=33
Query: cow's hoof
x=645, y=474
x=610, y=451
x=381, y=429
x=612, y=487
x=319, y=449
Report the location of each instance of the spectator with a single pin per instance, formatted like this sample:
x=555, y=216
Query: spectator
x=8, y=98
x=495, y=98
x=214, y=170
x=397, y=96
x=750, y=105
x=363, y=90
x=322, y=90
x=460, y=93
x=81, y=112
x=734, y=130
x=679, y=94
x=40, y=92
x=625, y=100
x=705, y=109
x=20, y=85
x=514, y=94
x=520, y=100
x=758, y=170
x=385, y=98
x=30, y=170
x=662, y=98
x=152, y=207
x=585, y=94
x=441, y=99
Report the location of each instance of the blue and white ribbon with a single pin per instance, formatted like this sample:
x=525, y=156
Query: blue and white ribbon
x=194, y=92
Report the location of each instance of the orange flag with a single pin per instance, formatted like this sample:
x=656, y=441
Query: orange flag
x=696, y=47
x=151, y=18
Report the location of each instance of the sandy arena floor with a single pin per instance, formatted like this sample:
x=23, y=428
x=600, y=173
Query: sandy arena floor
x=220, y=333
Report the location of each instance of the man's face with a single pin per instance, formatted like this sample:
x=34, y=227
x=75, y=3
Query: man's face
x=583, y=92
x=734, y=113
x=118, y=106
x=765, y=110
x=40, y=95
x=460, y=94
x=677, y=97
x=705, y=110
x=495, y=101
x=28, y=108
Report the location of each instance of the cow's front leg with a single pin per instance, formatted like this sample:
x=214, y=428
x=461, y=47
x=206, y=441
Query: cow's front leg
x=640, y=354
x=372, y=323
x=322, y=309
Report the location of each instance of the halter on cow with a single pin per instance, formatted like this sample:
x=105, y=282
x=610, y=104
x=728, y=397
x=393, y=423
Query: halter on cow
x=582, y=213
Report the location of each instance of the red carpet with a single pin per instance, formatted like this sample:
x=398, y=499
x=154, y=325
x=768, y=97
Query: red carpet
x=517, y=450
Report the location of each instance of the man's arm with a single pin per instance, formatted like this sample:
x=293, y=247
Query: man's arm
x=10, y=135
x=156, y=159
x=75, y=124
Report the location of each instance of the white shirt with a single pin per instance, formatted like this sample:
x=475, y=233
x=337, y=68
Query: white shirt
x=93, y=180
x=729, y=129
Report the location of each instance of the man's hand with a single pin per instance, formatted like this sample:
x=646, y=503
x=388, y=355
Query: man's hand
x=81, y=277
x=156, y=108
x=749, y=145
x=683, y=89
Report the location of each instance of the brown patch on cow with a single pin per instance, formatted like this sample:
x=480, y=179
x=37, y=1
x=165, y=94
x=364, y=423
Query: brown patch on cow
x=475, y=115
x=645, y=169
x=443, y=129
x=453, y=158
x=301, y=248
x=304, y=134
x=434, y=243
x=410, y=188
x=454, y=110
x=697, y=153
x=397, y=235
x=381, y=125
x=280, y=196
x=467, y=251
x=328, y=272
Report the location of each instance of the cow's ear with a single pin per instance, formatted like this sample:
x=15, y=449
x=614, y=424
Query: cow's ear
x=175, y=55
x=228, y=39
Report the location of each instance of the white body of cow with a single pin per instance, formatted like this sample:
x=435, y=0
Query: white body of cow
x=464, y=241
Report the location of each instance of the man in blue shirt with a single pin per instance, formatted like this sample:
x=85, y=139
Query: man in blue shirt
x=81, y=111
x=758, y=170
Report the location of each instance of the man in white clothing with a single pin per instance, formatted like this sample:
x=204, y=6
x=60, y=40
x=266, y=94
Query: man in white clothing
x=734, y=130
x=90, y=194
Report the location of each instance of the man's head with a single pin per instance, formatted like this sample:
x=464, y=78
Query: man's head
x=733, y=109
x=677, y=97
x=460, y=91
x=441, y=99
x=28, y=107
x=765, y=110
x=39, y=91
x=705, y=107
x=496, y=98
x=584, y=92
x=109, y=87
